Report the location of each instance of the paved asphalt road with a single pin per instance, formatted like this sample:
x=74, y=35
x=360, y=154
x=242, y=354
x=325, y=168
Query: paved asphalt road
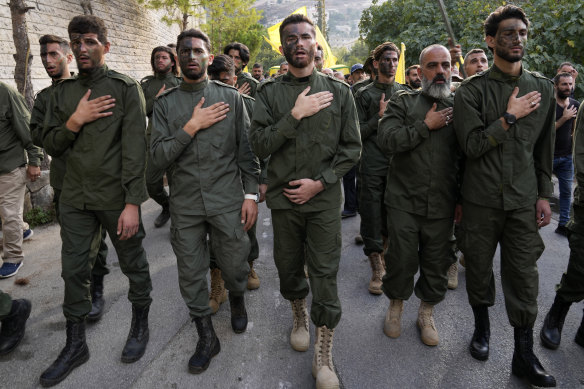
x=261, y=357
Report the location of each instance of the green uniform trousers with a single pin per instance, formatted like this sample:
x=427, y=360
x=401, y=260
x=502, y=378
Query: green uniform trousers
x=571, y=287
x=373, y=213
x=189, y=242
x=254, y=251
x=416, y=241
x=79, y=233
x=5, y=304
x=155, y=183
x=320, y=232
x=482, y=228
x=98, y=251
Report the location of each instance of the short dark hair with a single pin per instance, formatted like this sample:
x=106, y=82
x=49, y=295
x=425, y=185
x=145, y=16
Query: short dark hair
x=295, y=19
x=257, y=66
x=88, y=24
x=413, y=67
x=170, y=52
x=505, y=12
x=241, y=48
x=368, y=65
x=172, y=45
x=63, y=43
x=560, y=75
x=379, y=50
x=474, y=51
x=319, y=47
x=193, y=33
x=221, y=63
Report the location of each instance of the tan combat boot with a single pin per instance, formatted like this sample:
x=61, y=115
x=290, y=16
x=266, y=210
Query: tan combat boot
x=461, y=260
x=300, y=335
x=218, y=293
x=322, y=364
x=453, y=276
x=428, y=332
x=253, y=281
x=378, y=271
x=392, y=324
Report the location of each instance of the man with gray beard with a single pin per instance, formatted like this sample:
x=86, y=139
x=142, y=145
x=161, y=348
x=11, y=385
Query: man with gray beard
x=421, y=193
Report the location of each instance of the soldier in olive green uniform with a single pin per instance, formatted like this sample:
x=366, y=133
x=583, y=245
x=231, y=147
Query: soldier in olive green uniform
x=13, y=316
x=369, y=69
x=240, y=54
x=165, y=77
x=371, y=101
x=421, y=193
x=504, y=119
x=307, y=123
x=571, y=287
x=56, y=57
x=199, y=133
x=104, y=185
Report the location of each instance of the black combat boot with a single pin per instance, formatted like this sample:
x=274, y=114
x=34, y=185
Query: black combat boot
x=551, y=332
x=238, y=313
x=525, y=364
x=163, y=217
x=13, y=326
x=479, y=345
x=580, y=334
x=97, y=301
x=75, y=353
x=207, y=347
x=138, y=336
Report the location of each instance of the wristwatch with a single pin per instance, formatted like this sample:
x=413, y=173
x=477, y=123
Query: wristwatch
x=510, y=119
x=255, y=197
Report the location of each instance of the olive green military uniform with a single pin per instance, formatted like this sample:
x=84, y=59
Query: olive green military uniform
x=242, y=78
x=57, y=172
x=421, y=194
x=321, y=147
x=154, y=177
x=361, y=84
x=571, y=287
x=5, y=304
x=373, y=166
x=105, y=171
x=254, y=251
x=505, y=173
x=206, y=192
x=15, y=145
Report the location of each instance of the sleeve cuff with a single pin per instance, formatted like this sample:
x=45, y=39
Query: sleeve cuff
x=287, y=126
x=422, y=129
x=183, y=137
x=496, y=134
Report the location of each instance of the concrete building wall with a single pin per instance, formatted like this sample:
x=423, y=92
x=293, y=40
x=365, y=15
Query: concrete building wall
x=132, y=30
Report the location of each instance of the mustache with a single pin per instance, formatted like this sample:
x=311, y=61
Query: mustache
x=439, y=77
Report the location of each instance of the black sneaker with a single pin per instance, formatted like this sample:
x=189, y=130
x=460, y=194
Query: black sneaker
x=562, y=230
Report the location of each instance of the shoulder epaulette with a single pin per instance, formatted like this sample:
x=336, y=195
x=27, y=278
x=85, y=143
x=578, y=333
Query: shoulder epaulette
x=122, y=77
x=267, y=81
x=538, y=75
x=217, y=82
x=147, y=78
x=247, y=97
x=167, y=91
x=476, y=76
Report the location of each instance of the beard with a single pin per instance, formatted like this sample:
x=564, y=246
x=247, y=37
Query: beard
x=164, y=70
x=437, y=91
x=507, y=56
x=564, y=94
x=299, y=64
x=193, y=75
x=415, y=83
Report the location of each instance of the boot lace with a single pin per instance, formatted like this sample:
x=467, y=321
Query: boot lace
x=325, y=354
x=300, y=316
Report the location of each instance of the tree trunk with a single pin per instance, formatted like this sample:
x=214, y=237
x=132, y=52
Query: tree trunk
x=185, y=21
x=23, y=57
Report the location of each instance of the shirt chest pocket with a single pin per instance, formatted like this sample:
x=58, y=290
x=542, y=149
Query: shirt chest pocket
x=5, y=136
x=323, y=126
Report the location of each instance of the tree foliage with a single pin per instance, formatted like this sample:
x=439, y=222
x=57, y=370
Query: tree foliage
x=358, y=53
x=556, y=33
x=178, y=12
x=267, y=57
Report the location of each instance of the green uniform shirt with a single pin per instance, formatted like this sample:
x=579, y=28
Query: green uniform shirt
x=206, y=171
x=423, y=176
x=322, y=147
x=361, y=84
x=243, y=77
x=373, y=160
x=578, y=156
x=105, y=167
x=15, y=137
x=505, y=169
x=150, y=86
x=37, y=118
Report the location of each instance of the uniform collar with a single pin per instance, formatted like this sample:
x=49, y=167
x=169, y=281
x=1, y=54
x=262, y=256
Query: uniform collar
x=96, y=75
x=288, y=77
x=197, y=86
x=381, y=85
x=496, y=74
x=163, y=76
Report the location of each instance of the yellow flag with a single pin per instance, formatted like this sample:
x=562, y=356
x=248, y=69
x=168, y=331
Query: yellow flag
x=400, y=75
x=273, y=39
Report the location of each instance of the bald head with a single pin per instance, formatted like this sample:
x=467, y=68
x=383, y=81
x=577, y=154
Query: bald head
x=432, y=49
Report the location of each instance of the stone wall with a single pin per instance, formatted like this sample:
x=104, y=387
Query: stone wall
x=132, y=30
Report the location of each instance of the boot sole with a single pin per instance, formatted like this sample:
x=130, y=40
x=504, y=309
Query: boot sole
x=546, y=343
x=431, y=344
x=27, y=311
x=376, y=292
x=478, y=356
x=200, y=369
x=49, y=382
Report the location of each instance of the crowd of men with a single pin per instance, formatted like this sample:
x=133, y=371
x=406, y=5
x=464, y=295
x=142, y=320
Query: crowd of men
x=415, y=160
